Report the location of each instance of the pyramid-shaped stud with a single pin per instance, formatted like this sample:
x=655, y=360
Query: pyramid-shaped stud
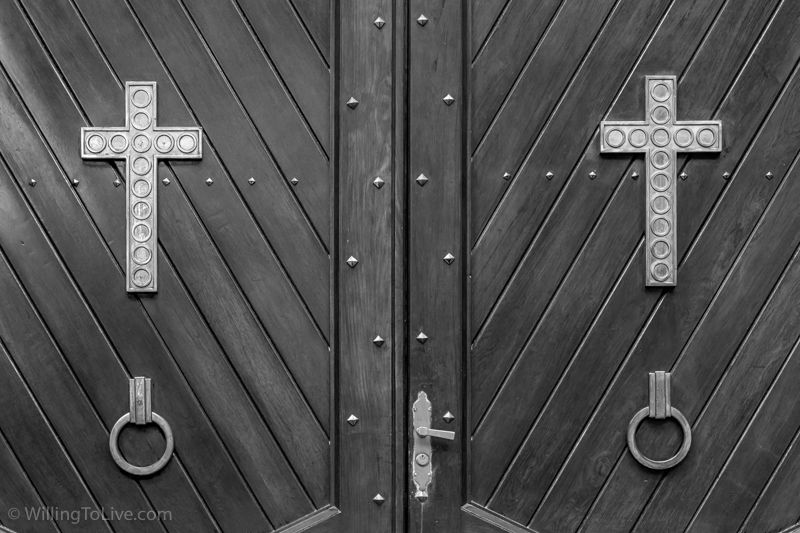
x=251, y=181
x=769, y=175
x=294, y=181
x=422, y=338
x=117, y=182
x=166, y=181
x=421, y=180
x=506, y=176
x=378, y=182
x=726, y=175
x=684, y=175
x=448, y=417
x=449, y=258
x=379, y=23
x=352, y=420
x=448, y=99
x=592, y=175
x=378, y=499
x=75, y=182
x=635, y=175
x=32, y=182
x=549, y=176
x=352, y=103
x=422, y=20
x=378, y=341
x=209, y=182
x=351, y=261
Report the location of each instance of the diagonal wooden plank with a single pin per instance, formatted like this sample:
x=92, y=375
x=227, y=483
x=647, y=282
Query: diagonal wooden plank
x=518, y=33
x=301, y=67
x=779, y=502
x=217, y=108
x=564, y=232
x=180, y=332
x=745, y=286
x=263, y=96
x=673, y=45
x=30, y=437
x=561, y=141
x=271, y=203
x=598, y=354
x=316, y=16
x=484, y=16
x=59, y=353
x=91, y=357
x=714, y=434
x=17, y=492
x=239, y=242
x=758, y=453
x=573, y=217
x=234, y=325
x=479, y=519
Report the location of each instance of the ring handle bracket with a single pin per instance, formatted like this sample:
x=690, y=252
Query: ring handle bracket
x=141, y=413
x=660, y=408
x=141, y=406
x=660, y=402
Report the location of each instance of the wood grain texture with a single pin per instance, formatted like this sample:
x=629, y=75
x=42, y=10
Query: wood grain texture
x=304, y=71
x=18, y=489
x=500, y=243
x=236, y=375
x=436, y=298
x=559, y=285
x=669, y=325
x=39, y=269
x=779, y=501
x=540, y=333
x=494, y=72
x=559, y=267
x=365, y=300
x=316, y=16
x=484, y=15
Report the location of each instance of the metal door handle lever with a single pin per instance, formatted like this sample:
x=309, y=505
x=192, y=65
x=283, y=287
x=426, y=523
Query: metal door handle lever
x=428, y=432
x=421, y=467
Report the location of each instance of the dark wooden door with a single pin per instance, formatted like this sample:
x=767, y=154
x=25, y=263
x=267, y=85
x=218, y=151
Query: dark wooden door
x=550, y=360
x=239, y=340
x=399, y=197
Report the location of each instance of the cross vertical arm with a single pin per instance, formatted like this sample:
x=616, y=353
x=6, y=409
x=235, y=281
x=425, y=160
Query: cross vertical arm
x=141, y=190
x=660, y=216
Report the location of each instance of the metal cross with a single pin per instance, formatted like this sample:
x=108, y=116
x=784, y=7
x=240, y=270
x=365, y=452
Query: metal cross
x=141, y=143
x=660, y=138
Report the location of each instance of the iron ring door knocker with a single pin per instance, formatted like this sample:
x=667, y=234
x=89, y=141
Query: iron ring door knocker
x=141, y=413
x=659, y=408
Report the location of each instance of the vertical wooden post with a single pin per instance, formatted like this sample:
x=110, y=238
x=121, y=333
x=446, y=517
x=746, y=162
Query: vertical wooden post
x=437, y=258
x=364, y=265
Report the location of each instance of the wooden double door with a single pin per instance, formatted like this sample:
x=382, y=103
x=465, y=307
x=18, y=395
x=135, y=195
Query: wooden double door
x=398, y=197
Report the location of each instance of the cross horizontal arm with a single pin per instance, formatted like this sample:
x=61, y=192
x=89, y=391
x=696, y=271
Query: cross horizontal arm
x=178, y=143
x=104, y=143
x=697, y=136
x=623, y=137
x=638, y=137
